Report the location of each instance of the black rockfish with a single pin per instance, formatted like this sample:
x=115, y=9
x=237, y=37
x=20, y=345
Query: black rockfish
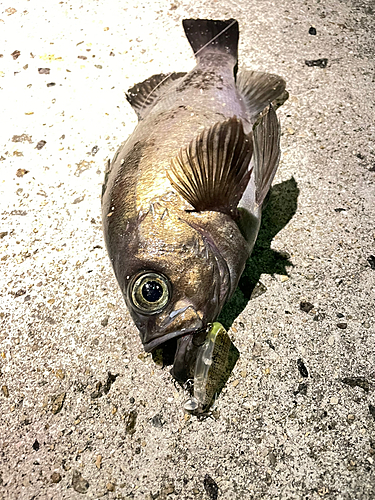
x=182, y=198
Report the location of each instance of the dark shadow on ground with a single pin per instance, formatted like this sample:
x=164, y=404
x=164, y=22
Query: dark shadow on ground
x=281, y=208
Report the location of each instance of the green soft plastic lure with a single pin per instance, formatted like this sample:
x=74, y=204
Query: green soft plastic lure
x=212, y=369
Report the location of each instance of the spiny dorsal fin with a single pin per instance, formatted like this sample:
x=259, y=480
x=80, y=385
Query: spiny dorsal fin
x=144, y=94
x=261, y=89
x=266, y=137
x=213, y=171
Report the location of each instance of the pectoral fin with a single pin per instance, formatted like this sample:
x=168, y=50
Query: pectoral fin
x=213, y=171
x=266, y=133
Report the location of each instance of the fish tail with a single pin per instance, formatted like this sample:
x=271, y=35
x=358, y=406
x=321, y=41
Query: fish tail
x=205, y=34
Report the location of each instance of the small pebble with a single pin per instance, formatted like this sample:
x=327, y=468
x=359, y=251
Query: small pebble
x=306, y=306
x=302, y=368
x=131, y=422
x=42, y=143
x=168, y=489
x=321, y=63
x=57, y=403
x=342, y=326
x=156, y=421
x=235, y=383
x=350, y=417
x=21, y=172
x=312, y=30
x=80, y=485
x=60, y=374
x=98, y=461
x=211, y=487
x=110, y=487
x=334, y=400
x=15, y=54
x=56, y=477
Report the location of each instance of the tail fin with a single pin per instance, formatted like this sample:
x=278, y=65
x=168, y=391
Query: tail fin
x=205, y=33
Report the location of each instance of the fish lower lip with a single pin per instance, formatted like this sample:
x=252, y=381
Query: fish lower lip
x=150, y=346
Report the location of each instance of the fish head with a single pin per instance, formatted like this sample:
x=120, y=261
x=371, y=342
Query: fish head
x=174, y=280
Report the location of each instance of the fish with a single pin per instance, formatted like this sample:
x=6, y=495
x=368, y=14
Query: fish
x=183, y=196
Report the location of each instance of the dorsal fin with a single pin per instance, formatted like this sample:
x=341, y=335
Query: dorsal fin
x=261, y=89
x=144, y=94
x=266, y=134
x=213, y=171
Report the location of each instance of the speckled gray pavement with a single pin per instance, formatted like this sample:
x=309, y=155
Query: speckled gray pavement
x=84, y=412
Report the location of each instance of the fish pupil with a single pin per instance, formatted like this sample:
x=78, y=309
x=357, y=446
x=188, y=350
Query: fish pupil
x=152, y=291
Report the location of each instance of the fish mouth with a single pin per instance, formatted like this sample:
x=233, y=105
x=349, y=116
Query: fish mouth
x=180, y=335
x=181, y=352
x=184, y=319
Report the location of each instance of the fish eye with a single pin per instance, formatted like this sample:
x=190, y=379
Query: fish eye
x=149, y=292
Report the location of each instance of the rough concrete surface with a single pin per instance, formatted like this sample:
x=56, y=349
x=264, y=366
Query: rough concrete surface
x=84, y=412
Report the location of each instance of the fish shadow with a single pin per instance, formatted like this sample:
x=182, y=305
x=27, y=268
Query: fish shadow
x=281, y=207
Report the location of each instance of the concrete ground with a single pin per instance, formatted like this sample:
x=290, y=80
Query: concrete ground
x=84, y=412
